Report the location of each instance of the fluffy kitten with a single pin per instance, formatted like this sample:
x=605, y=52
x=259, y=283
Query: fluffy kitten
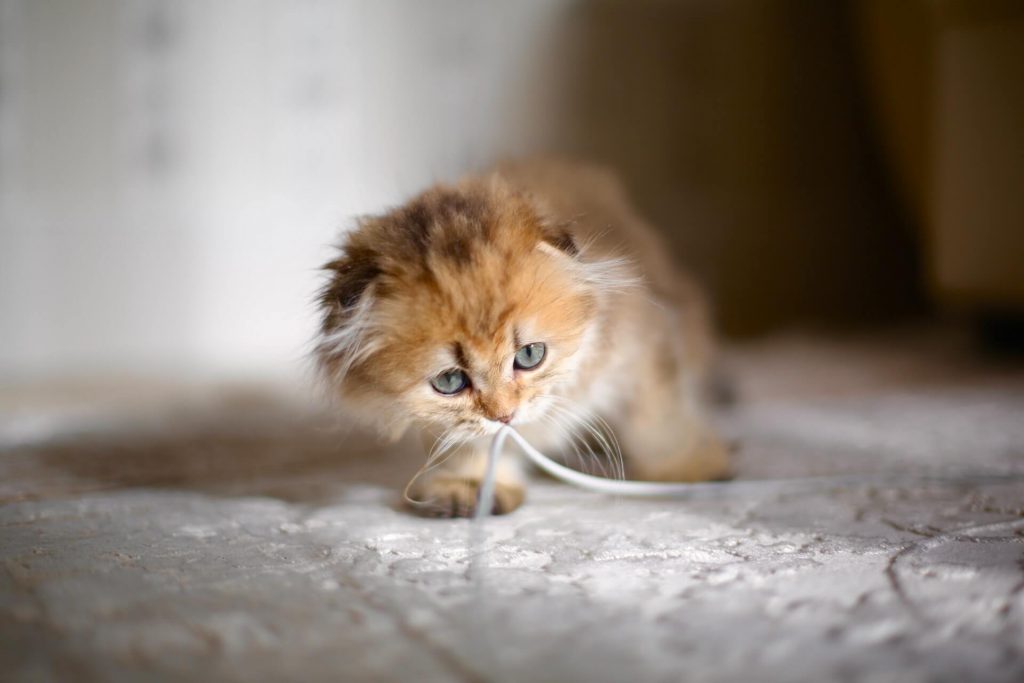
x=533, y=296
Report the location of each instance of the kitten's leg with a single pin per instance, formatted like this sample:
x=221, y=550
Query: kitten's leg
x=451, y=489
x=665, y=438
x=684, y=449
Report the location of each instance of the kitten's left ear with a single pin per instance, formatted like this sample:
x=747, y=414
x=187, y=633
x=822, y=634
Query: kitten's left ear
x=552, y=233
x=559, y=237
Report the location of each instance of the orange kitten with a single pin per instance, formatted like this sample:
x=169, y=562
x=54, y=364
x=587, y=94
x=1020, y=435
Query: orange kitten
x=506, y=299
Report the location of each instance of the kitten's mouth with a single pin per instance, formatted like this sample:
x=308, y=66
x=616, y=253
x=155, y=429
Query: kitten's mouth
x=469, y=432
x=491, y=427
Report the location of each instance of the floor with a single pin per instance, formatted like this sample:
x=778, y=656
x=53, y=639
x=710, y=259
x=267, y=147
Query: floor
x=183, y=532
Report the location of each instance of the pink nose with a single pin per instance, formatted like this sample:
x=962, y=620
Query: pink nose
x=506, y=418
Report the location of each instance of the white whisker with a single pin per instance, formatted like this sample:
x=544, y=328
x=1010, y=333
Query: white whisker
x=599, y=429
x=574, y=441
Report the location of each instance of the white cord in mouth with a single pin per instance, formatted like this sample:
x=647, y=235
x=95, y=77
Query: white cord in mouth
x=695, y=490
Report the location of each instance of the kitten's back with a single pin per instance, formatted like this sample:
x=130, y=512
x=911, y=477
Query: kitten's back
x=594, y=202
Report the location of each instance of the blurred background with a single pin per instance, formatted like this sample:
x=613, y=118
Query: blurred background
x=172, y=173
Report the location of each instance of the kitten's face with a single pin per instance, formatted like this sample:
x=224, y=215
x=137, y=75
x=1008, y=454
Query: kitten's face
x=473, y=313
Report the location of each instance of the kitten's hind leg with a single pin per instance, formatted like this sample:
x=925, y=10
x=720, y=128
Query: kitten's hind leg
x=693, y=453
x=666, y=441
x=453, y=487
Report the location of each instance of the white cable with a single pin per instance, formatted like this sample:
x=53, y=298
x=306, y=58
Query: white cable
x=486, y=501
x=707, y=489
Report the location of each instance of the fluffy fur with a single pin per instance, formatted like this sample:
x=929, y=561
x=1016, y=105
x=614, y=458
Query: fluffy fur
x=462, y=276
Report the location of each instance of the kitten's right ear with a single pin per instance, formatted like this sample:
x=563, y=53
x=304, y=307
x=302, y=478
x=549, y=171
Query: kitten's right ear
x=346, y=336
x=350, y=276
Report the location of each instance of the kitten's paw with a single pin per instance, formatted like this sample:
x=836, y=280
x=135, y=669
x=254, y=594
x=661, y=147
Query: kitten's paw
x=456, y=497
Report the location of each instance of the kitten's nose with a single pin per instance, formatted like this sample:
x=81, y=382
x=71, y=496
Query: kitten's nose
x=506, y=418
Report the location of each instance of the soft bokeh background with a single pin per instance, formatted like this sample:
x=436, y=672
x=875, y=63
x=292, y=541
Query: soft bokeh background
x=171, y=172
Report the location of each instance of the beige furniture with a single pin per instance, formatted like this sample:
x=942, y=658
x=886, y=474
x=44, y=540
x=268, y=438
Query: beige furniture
x=947, y=81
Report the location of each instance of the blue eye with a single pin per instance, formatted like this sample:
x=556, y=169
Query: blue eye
x=530, y=356
x=450, y=382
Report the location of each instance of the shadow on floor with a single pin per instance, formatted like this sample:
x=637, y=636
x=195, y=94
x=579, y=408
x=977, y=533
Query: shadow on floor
x=230, y=450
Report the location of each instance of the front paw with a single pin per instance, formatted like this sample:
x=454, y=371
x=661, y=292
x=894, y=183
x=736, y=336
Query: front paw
x=457, y=497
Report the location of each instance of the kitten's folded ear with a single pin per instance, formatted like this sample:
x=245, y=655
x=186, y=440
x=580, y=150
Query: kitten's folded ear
x=346, y=335
x=350, y=276
x=559, y=237
x=553, y=233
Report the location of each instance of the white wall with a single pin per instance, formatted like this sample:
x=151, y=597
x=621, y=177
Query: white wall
x=170, y=172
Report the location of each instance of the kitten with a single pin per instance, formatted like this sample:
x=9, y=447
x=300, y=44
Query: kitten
x=506, y=299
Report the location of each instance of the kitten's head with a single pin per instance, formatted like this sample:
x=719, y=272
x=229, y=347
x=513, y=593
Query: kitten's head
x=461, y=310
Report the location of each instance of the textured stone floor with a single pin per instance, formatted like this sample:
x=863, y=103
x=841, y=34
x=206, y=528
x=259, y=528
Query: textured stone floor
x=177, y=533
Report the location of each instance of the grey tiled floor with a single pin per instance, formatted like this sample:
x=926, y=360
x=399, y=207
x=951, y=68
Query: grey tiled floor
x=201, y=535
